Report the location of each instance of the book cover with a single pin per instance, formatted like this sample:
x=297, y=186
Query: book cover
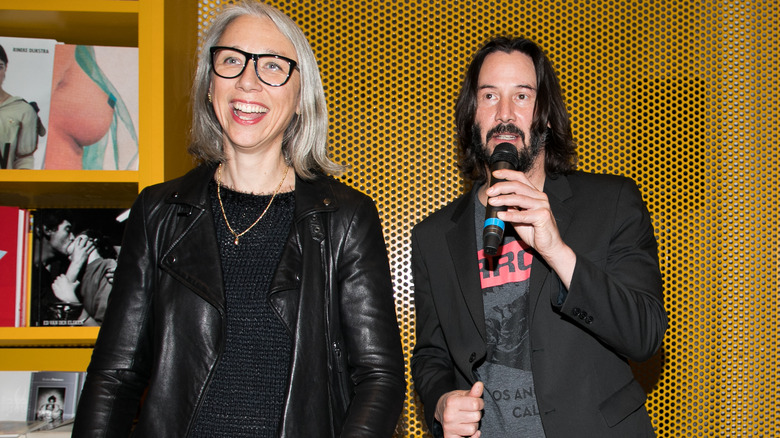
x=54, y=396
x=26, y=66
x=13, y=235
x=74, y=258
x=94, y=109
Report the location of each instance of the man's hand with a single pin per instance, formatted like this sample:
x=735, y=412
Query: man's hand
x=528, y=210
x=459, y=412
x=64, y=289
x=80, y=250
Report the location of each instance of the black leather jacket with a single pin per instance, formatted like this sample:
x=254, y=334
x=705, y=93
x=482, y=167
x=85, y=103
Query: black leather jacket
x=164, y=326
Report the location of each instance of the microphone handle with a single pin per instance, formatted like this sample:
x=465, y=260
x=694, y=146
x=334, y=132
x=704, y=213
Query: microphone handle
x=493, y=229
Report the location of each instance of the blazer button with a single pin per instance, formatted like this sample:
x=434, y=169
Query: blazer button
x=473, y=357
x=576, y=311
x=327, y=202
x=175, y=195
x=589, y=319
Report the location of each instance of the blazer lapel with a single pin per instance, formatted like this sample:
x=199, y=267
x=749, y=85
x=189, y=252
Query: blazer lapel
x=463, y=251
x=558, y=191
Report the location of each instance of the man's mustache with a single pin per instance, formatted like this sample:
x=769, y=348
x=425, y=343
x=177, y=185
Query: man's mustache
x=505, y=128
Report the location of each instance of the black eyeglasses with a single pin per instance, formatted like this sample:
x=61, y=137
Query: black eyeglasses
x=273, y=70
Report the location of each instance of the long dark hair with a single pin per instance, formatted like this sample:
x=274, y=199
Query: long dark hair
x=560, y=149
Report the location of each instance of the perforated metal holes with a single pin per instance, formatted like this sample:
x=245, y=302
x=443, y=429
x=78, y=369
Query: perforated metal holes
x=680, y=95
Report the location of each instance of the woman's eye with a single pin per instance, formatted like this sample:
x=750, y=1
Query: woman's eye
x=273, y=66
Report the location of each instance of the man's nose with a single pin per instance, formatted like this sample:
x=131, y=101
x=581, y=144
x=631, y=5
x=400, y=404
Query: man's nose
x=505, y=112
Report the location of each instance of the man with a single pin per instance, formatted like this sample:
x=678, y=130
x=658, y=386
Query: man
x=534, y=341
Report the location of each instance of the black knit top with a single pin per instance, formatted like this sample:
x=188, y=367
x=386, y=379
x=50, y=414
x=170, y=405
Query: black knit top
x=246, y=393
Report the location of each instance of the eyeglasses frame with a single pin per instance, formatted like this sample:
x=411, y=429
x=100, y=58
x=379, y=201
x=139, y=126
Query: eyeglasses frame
x=254, y=57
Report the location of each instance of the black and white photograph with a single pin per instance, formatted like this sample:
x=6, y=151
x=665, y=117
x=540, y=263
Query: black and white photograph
x=74, y=258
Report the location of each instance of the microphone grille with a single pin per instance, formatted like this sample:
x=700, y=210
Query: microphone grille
x=505, y=152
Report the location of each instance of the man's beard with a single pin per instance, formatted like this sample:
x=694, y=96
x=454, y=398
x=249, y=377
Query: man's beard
x=526, y=155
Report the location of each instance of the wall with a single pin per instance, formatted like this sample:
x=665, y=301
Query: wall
x=680, y=95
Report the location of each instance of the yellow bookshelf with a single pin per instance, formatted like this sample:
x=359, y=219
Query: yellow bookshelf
x=165, y=32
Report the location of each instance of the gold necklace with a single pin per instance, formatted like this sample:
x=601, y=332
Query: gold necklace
x=222, y=207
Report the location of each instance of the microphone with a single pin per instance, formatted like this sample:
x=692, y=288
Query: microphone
x=504, y=157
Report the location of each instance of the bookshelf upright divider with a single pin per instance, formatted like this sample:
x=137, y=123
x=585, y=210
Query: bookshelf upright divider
x=165, y=32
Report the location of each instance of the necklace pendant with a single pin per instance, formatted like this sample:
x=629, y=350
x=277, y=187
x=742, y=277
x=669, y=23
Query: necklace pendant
x=235, y=242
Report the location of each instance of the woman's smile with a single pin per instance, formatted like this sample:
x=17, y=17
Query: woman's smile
x=248, y=112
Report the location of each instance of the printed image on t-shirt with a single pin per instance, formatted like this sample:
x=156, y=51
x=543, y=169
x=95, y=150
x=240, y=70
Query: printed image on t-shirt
x=505, y=295
x=510, y=398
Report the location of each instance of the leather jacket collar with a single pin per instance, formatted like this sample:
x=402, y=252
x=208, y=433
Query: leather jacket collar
x=310, y=197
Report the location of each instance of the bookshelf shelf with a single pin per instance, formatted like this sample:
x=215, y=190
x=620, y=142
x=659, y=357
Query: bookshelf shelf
x=71, y=176
x=114, y=28
x=72, y=5
x=165, y=32
x=77, y=193
x=48, y=336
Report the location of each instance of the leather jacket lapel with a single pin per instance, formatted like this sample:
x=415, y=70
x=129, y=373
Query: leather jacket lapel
x=190, y=241
x=194, y=246
x=284, y=295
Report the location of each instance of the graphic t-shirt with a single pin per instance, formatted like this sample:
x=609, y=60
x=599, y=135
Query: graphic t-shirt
x=510, y=399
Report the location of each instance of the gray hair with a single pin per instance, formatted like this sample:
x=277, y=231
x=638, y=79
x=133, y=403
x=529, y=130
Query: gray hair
x=305, y=143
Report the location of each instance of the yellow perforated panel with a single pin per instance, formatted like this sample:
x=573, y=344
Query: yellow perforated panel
x=680, y=95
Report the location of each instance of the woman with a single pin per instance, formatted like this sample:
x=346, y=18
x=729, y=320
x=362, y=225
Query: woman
x=19, y=129
x=253, y=295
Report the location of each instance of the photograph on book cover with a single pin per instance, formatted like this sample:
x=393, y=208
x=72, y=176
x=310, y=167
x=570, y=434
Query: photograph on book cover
x=94, y=109
x=50, y=404
x=74, y=258
x=26, y=66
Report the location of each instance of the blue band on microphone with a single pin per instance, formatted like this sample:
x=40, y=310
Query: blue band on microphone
x=494, y=221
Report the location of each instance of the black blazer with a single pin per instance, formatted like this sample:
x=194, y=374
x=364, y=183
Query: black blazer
x=580, y=338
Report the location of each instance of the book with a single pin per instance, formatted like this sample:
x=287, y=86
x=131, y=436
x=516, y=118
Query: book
x=16, y=390
x=94, y=108
x=74, y=258
x=54, y=396
x=13, y=265
x=28, y=66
